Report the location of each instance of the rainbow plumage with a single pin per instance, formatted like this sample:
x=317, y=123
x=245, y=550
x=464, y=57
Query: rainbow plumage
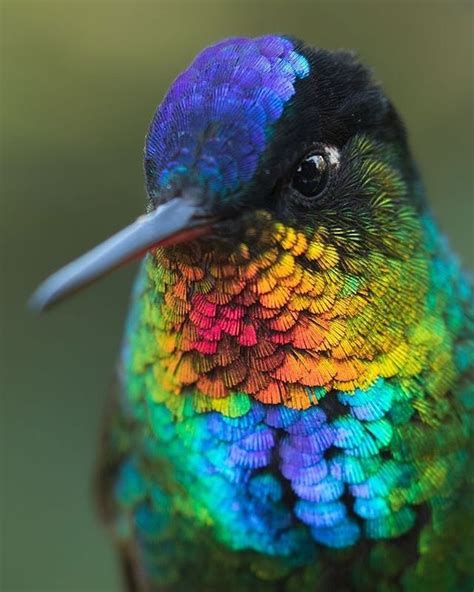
x=295, y=409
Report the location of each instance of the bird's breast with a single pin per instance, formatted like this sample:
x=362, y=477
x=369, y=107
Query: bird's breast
x=273, y=394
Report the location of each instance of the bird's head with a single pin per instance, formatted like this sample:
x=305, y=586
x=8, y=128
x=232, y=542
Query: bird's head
x=267, y=123
x=261, y=138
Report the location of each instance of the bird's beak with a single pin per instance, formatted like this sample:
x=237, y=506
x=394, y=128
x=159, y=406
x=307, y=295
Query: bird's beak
x=176, y=221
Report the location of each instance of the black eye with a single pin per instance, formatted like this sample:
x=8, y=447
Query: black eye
x=311, y=176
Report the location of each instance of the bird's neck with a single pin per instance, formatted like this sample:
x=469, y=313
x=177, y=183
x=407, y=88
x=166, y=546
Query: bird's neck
x=286, y=325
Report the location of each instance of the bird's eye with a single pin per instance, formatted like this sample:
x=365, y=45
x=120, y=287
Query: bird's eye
x=311, y=176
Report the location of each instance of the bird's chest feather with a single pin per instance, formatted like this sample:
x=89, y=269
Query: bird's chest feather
x=278, y=480
x=287, y=405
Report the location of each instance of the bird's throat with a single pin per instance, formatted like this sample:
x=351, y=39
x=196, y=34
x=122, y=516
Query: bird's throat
x=285, y=322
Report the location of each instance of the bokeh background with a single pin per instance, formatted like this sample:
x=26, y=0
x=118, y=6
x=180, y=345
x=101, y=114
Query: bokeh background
x=80, y=82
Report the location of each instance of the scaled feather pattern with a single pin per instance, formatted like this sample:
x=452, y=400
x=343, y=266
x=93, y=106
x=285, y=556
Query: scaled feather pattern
x=295, y=408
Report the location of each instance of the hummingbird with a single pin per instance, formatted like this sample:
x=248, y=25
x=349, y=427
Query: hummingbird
x=295, y=391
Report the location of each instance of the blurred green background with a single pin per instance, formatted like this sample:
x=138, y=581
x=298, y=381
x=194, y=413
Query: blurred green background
x=80, y=82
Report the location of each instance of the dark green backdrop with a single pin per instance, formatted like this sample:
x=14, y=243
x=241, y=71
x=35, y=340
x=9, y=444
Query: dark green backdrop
x=80, y=81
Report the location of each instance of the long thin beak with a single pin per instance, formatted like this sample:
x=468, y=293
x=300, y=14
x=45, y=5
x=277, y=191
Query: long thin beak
x=173, y=222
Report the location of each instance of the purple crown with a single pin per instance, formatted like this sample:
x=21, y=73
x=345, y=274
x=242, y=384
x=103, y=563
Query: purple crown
x=217, y=117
